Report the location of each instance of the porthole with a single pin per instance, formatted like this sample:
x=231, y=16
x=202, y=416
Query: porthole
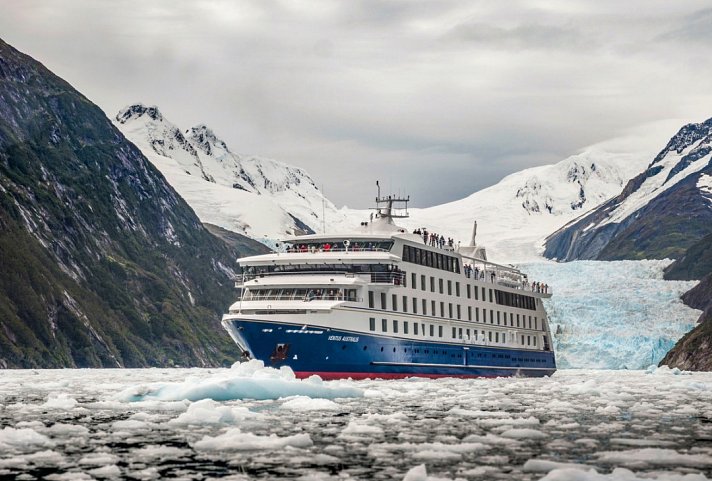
x=365, y=347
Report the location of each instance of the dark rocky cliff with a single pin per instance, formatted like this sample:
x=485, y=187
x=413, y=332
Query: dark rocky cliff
x=694, y=351
x=101, y=262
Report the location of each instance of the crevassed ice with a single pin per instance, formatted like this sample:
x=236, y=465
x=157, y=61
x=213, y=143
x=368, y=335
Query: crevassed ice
x=613, y=315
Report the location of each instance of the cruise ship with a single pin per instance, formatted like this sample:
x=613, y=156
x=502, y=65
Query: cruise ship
x=385, y=302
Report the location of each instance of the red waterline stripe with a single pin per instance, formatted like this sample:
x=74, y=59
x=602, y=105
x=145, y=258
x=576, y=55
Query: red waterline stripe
x=371, y=375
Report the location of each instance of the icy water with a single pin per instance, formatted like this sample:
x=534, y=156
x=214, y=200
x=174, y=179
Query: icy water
x=136, y=424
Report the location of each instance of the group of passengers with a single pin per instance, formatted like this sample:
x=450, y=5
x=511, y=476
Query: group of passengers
x=539, y=287
x=476, y=273
x=331, y=247
x=321, y=294
x=434, y=240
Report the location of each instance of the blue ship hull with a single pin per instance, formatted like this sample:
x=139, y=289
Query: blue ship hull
x=338, y=354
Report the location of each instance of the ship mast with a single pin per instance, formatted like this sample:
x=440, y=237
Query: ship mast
x=391, y=207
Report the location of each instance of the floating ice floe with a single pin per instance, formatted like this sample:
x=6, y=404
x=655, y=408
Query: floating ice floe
x=236, y=440
x=23, y=439
x=249, y=380
x=618, y=474
x=207, y=411
x=304, y=403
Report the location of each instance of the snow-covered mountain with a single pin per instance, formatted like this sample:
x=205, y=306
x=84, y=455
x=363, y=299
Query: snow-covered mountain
x=256, y=196
x=660, y=213
x=516, y=214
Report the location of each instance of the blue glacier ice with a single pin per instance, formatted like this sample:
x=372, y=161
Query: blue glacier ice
x=613, y=315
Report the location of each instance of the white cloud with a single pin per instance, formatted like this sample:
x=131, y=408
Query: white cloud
x=440, y=98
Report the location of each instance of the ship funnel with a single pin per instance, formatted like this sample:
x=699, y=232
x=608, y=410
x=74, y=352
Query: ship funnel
x=473, y=242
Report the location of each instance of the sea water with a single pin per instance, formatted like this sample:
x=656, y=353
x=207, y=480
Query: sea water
x=252, y=422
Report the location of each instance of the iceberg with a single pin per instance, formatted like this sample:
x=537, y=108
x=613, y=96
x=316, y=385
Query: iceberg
x=248, y=380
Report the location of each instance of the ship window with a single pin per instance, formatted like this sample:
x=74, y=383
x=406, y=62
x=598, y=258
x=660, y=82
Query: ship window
x=440, y=331
x=395, y=326
x=405, y=303
x=529, y=340
x=491, y=316
x=484, y=315
x=498, y=317
x=365, y=347
x=394, y=298
x=522, y=340
x=491, y=296
x=536, y=324
x=457, y=289
x=370, y=299
x=422, y=283
x=518, y=321
x=511, y=319
x=489, y=333
x=415, y=328
x=422, y=327
x=442, y=309
x=440, y=285
x=383, y=301
x=484, y=297
x=425, y=307
x=535, y=340
x=477, y=297
x=372, y=324
x=496, y=337
x=459, y=333
x=432, y=311
x=449, y=288
x=454, y=333
x=384, y=325
x=459, y=315
x=405, y=327
x=469, y=313
x=432, y=284
x=415, y=305
x=530, y=322
x=468, y=334
x=449, y=309
x=477, y=314
x=469, y=291
x=412, y=281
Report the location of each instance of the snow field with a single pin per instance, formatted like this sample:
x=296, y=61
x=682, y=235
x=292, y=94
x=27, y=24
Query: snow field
x=579, y=424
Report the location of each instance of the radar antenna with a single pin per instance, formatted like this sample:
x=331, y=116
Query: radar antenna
x=391, y=207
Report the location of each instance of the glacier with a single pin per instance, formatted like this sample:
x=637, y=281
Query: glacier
x=613, y=315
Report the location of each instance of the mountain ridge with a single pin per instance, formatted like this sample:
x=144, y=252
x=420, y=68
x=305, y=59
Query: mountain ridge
x=104, y=265
x=660, y=213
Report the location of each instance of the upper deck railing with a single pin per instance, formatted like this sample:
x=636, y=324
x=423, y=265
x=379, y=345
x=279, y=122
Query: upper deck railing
x=396, y=278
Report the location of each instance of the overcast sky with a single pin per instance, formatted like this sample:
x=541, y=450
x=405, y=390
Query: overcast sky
x=438, y=98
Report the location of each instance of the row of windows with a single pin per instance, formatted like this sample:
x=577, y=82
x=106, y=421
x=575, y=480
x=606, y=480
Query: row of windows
x=454, y=311
x=459, y=333
x=504, y=298
x=512, y=299
x=427, y=258
x=458, y=355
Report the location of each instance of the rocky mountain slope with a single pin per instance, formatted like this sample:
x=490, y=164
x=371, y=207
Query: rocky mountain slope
x=661, y=212
x=252, y=195
x=694, y=351
x=103, y=264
